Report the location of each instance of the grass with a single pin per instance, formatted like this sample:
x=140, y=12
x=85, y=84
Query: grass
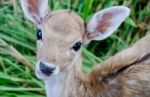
x=18, y=49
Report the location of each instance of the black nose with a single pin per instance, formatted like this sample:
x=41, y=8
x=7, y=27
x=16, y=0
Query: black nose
x=46, y=69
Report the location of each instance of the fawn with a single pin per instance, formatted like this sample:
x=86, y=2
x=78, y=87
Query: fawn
x=60, y=38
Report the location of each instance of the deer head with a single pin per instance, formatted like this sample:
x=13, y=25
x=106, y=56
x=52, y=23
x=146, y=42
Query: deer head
x=61, y=34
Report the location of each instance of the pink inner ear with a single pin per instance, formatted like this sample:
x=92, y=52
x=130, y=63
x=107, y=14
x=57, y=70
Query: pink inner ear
x=104, y=22
x=33, y=6
x=91, y=35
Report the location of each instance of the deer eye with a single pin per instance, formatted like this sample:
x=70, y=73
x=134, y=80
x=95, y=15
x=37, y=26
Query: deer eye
x=39, y=34
x=77, y=46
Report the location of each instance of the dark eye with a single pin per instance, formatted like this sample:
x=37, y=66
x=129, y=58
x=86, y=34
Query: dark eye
x=39, y=34
x=77, y=46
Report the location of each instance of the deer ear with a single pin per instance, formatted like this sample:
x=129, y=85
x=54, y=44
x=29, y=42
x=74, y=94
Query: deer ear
x=35, y=10
x=105, y=22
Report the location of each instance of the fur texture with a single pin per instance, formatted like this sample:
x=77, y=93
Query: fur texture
x=126, y=74
x=104, y=81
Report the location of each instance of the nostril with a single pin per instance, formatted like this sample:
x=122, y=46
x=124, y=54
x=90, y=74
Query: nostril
x=46, y=69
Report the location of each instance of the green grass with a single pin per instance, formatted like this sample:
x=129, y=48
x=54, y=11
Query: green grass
x=18, y=46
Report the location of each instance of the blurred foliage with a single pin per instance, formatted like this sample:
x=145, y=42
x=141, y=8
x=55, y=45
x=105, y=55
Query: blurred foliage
x=18, y=46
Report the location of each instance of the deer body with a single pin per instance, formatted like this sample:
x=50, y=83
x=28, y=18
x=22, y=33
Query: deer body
x=131, y=82
x=60, y=37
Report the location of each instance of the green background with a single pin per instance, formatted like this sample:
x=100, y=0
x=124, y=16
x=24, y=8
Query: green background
x=18, y=41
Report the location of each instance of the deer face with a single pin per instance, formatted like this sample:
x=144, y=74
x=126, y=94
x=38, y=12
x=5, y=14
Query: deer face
x=59, y=42
x=61, y=34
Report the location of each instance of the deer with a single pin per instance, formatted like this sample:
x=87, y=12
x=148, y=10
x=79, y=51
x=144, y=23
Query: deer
x=61, y=36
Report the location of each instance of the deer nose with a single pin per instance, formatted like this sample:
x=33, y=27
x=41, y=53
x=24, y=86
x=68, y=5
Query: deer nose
x=47, y=70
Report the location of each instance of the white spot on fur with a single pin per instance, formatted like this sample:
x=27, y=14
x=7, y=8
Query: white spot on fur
x=132, y=82
x=54, y=86
x=112, y=81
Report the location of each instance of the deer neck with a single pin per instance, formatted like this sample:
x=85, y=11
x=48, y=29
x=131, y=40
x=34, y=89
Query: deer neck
x=66, y=84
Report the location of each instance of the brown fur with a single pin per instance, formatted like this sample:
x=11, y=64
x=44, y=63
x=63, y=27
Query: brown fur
x=126, y=74
x=133, y=81
x=102, y=81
